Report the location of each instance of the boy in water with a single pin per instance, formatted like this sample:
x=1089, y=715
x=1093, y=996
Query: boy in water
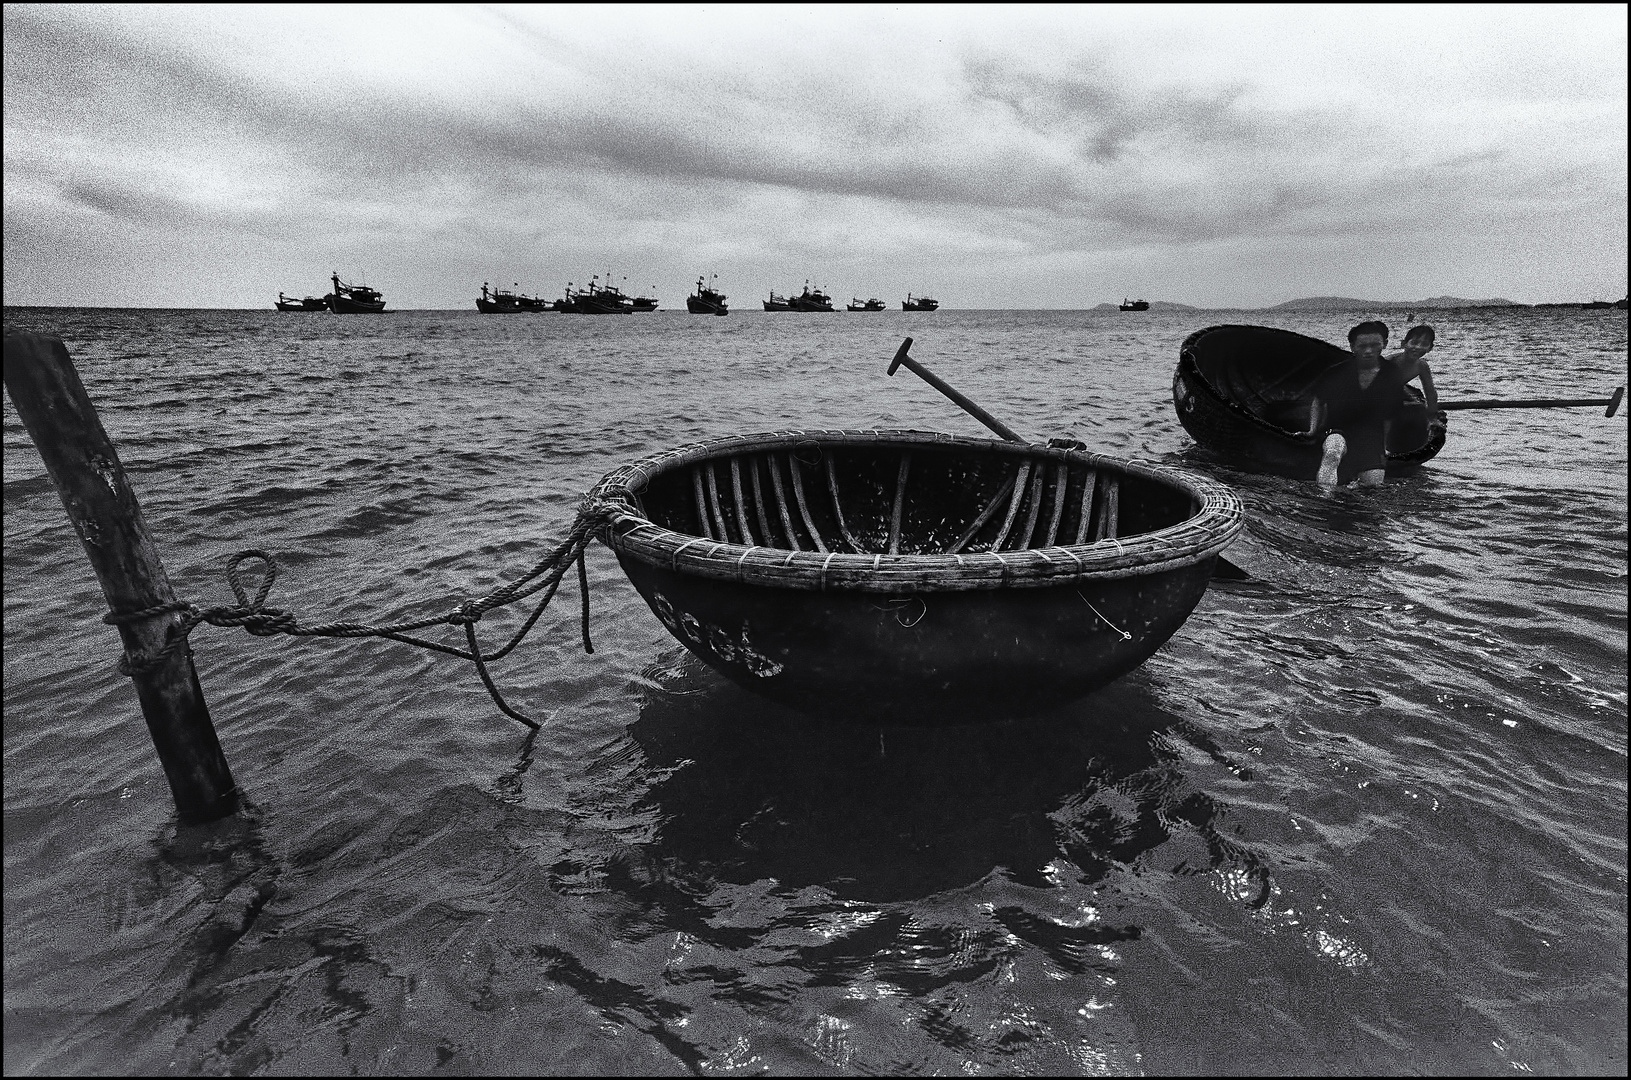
x=1356, y=405
x=1417, y=344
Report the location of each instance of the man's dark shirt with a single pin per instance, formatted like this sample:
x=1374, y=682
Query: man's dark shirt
x=1360, y=413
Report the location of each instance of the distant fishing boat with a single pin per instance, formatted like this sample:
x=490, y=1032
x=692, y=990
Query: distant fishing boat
x=810, y=300
x=498, y=302
x=644, y=303
x=1134, y=305
x=777, y=303
x=921, y=303
x=310, y=303
x=354, y=299
x=599, y=299
x=707, y=301
x=873, y=304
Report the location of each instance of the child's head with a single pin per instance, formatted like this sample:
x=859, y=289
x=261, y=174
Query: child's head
x=1419, y=339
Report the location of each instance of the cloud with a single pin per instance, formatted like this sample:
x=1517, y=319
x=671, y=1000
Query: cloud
x=409, y=128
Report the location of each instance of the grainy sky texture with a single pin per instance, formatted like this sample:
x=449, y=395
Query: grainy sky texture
x=994, y=157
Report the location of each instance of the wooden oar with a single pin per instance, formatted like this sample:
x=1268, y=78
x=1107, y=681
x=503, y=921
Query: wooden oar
x=1613, y=403
x=1222, y=569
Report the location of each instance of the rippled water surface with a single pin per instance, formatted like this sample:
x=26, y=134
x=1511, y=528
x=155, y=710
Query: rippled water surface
x=1364, y=813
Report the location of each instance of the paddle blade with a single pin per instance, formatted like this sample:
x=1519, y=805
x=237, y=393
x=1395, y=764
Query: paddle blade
x=1614, y=402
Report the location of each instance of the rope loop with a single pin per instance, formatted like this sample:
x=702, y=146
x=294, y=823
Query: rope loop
x=269, y=576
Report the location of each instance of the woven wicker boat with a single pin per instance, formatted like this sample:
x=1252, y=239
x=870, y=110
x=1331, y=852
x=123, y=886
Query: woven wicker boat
x=1243, y=392
x=915, y=577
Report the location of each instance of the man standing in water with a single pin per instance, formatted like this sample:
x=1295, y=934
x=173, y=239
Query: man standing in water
x=1355, y=405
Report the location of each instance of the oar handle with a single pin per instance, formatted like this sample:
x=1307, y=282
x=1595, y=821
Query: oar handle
x=1613, y=403
x=964, y=403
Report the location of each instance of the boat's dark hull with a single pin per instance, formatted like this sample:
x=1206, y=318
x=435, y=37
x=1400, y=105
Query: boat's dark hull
x=699, y=306
x=491, y=307
x=343, y=305
x=906, y=306
x=772, y=305
x=911, y=577
x=1249, y=411
x=934, y=658
x=302, y=305
x=582, y=305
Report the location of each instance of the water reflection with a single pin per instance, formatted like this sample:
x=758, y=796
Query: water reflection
x=747, y=791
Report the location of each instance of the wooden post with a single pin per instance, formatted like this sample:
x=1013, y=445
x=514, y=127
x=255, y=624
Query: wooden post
x=53, y=405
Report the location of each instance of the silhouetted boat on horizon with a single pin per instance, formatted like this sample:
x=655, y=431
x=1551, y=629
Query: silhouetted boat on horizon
x=598, y=299
x=354, y=299
x=497, y=302
x=874, y=304
x=810, y=300
x=310, y=303
x=777, y=303
x=1134, y=305
x=921, y=303
x=706, y=301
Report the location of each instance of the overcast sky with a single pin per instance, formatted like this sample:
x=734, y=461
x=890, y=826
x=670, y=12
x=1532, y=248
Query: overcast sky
x=993, y=157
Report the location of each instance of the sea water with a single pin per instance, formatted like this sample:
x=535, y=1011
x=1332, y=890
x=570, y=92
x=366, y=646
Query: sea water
x=1363, y=813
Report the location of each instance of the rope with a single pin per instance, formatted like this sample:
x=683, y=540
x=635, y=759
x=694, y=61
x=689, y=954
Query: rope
x=254, y=616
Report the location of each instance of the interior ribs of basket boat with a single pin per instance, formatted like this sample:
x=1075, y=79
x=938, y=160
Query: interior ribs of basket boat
x=859, y=496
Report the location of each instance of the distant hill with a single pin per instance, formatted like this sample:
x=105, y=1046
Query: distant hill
x=1348, y=303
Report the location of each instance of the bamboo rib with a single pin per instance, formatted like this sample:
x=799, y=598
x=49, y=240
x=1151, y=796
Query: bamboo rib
x=741, y=511
x=1061, y=484
x=838, y=507
x=781, y=502
x=713, y=502
x=1013, y=505
x=804, y=509
x=1089, y=483
x=1022, y=539
x=985, y=516
x=702, y=503
x=1112, y=512
x=759, y=503
x=1106, y=526
x=900, y=498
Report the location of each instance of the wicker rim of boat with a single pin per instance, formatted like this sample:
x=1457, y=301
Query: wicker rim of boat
x=1218, y=519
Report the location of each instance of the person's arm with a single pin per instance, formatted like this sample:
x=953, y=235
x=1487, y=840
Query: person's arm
x=1427, y=388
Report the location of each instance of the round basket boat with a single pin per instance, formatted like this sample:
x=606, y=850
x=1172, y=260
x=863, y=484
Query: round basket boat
x=1244, y=392
x=915, y=577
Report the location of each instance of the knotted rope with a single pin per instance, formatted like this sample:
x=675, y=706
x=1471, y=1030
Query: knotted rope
x=254, y=616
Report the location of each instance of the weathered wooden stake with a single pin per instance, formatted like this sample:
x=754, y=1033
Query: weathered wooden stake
x=53, y=405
